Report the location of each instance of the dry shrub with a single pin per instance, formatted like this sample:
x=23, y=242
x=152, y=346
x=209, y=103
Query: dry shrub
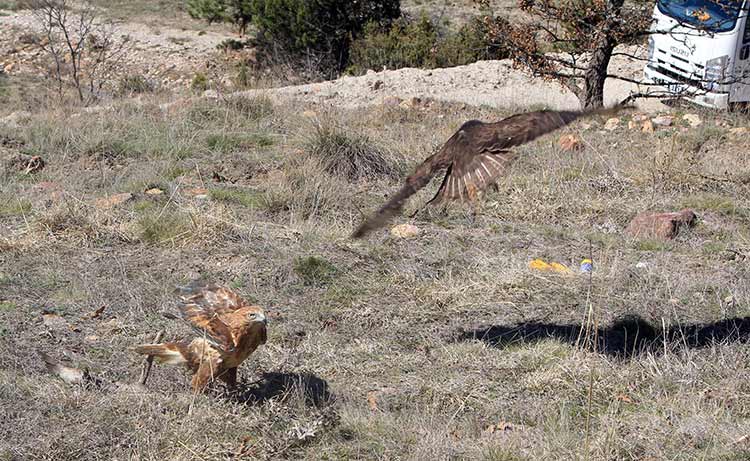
x=353, y=156
x=306, y=191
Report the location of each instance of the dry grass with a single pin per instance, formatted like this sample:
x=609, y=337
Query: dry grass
x=442, y=347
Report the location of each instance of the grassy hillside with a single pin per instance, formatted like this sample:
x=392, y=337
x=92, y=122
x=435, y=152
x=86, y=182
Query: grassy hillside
x=443, y=346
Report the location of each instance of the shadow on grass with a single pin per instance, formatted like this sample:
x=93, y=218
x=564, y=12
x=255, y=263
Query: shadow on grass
x=282, y=386
x=624, y=338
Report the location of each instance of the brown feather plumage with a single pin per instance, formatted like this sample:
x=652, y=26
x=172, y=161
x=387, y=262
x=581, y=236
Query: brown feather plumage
x=230, y=330
x=475, y=157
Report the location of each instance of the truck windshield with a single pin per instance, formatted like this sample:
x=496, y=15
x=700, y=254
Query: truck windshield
x=713, y=15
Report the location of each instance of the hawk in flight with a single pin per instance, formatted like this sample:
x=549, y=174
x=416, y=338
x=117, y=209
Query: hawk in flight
x=475, y=157
x=230, y=330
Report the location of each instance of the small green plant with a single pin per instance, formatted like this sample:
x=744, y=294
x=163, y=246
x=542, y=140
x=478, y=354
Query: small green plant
x=134, y=84
x=247, y=198
x=419, y=43
x=199, y=82
x=231, y=44
x=164, y=227
x=314, y=270
x=15, y=207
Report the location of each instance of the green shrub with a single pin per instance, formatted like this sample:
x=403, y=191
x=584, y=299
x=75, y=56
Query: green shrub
x=419, y=43
x=314, y=270
x=210, y=10
x=134, y=84
x=322, y=28
x=200, y=82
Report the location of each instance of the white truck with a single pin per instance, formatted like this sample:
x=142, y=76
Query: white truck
x=700, y=50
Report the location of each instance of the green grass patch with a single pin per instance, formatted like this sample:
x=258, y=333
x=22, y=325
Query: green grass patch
x=13, y=208
x=247, y=198
x=169, y=226
x=719, y=204
x=314, y=270
x=651, y=245
x=227, y=142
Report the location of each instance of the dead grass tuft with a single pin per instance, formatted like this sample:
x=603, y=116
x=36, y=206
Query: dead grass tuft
x=352, y=155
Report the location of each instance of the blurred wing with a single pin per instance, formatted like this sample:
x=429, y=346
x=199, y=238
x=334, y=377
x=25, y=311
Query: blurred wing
x=205, y=308
x=416, y=181
x=481, y=149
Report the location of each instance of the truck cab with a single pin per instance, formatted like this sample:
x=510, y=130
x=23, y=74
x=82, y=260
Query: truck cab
x=700, y=50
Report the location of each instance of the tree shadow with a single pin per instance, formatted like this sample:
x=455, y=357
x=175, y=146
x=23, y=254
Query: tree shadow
x=273, y=385
x=624, y=338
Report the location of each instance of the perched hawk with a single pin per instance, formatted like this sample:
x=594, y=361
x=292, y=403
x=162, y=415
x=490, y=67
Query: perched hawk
x=475, y=157
x=230, y=330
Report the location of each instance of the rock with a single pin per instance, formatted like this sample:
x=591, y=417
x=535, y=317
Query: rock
x=570, y=143
x=648, y=127
x=106, y=203
x=632, y=125
x=663, y=120
x=612, y=124
x=154, y=191
x=739, y=131
x=391, y=101
x=211, y=94
x=405, y=231
x=309, y=114
x=54, y=321
x=660, y=225
x=639, y=117
x=195, y=191
x=385, y=398
x=692, y=119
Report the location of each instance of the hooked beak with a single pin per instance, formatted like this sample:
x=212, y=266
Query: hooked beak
x=260, y=317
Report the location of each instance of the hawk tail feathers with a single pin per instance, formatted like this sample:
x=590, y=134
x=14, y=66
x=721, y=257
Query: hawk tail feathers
x=164, y=353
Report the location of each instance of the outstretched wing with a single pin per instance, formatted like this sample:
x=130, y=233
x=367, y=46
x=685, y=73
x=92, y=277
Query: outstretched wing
x=417, y=180
x=205, y=308
x=476, y=155
x=481, y=154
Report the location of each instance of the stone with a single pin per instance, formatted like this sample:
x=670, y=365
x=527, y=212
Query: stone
x=391, y=101
x=154, y=191
x=663, y=120
x=570, y=143
x=693, y=120
x=405, y=231
x=106, y=203
x=54, y=321
x=648, y=127
x=739, y=131
x=612, y=124
x=640, y=117
x=663, y=226
x=195, y=191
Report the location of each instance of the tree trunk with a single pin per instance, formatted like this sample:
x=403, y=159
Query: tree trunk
x=592, y=95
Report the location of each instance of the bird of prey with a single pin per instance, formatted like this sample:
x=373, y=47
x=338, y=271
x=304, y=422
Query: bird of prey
x=230, y=330
x=475, y=157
